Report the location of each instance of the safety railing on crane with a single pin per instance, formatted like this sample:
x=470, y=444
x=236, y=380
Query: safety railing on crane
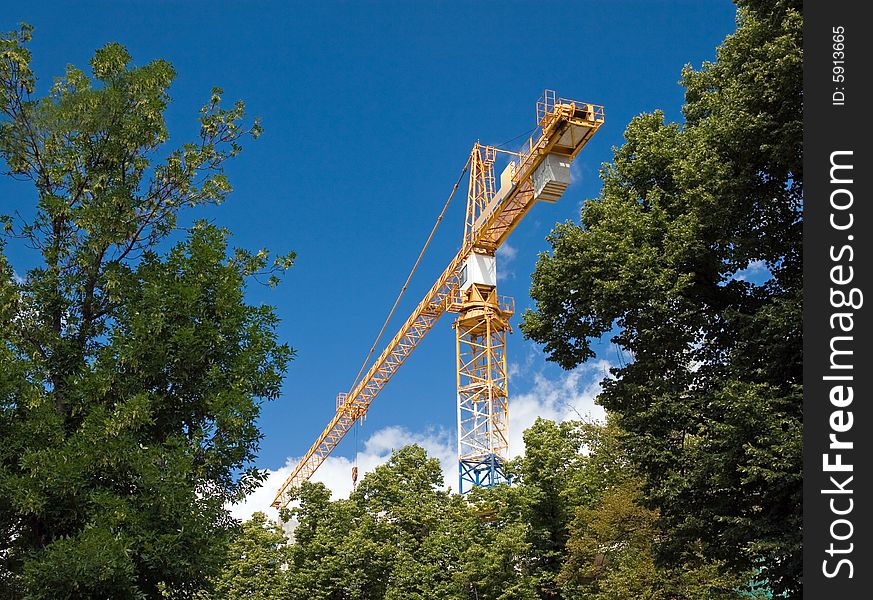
x=548, y=104
x=506, y=305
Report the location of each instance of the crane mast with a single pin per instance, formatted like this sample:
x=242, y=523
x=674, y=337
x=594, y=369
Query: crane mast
x=467, y=286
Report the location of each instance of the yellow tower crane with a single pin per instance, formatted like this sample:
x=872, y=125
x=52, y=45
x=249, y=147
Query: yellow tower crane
x=540, y=171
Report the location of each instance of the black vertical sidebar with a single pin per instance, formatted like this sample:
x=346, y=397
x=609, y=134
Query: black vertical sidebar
x=838, y=299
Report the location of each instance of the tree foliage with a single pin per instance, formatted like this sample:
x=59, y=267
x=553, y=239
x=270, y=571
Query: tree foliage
x=131, y=367
x=571, y=527
x=257, y=563
x=397, y=536
x=711, y=397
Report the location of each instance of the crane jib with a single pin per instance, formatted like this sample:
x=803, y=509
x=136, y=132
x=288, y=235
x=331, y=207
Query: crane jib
x=565, y=127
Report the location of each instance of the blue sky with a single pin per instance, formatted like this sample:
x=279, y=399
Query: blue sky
x=369, y=111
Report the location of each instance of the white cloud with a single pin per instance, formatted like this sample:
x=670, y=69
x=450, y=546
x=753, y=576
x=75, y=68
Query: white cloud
x=507, y=252
x=567, y=398
x=260, y=499
x=336, y=471
x=505, y=255
x=571, y=396
x=576, y=174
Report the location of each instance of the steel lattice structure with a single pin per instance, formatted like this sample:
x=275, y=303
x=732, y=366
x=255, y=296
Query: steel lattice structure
x=564, y=127
x=482, y=384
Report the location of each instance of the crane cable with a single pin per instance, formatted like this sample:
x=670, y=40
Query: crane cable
x=412, y=272
x=520, y=135
x=355, y=466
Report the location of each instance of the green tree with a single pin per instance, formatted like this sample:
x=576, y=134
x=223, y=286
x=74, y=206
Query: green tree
x=499, y=561
x=407, y=513
x=571, y=527
x=257, y=560
x=397, y=536
x=131, y=367
x=610, y=552
x=611, y=555
x=587, y=534
x=711, y=397
x=546, y=472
